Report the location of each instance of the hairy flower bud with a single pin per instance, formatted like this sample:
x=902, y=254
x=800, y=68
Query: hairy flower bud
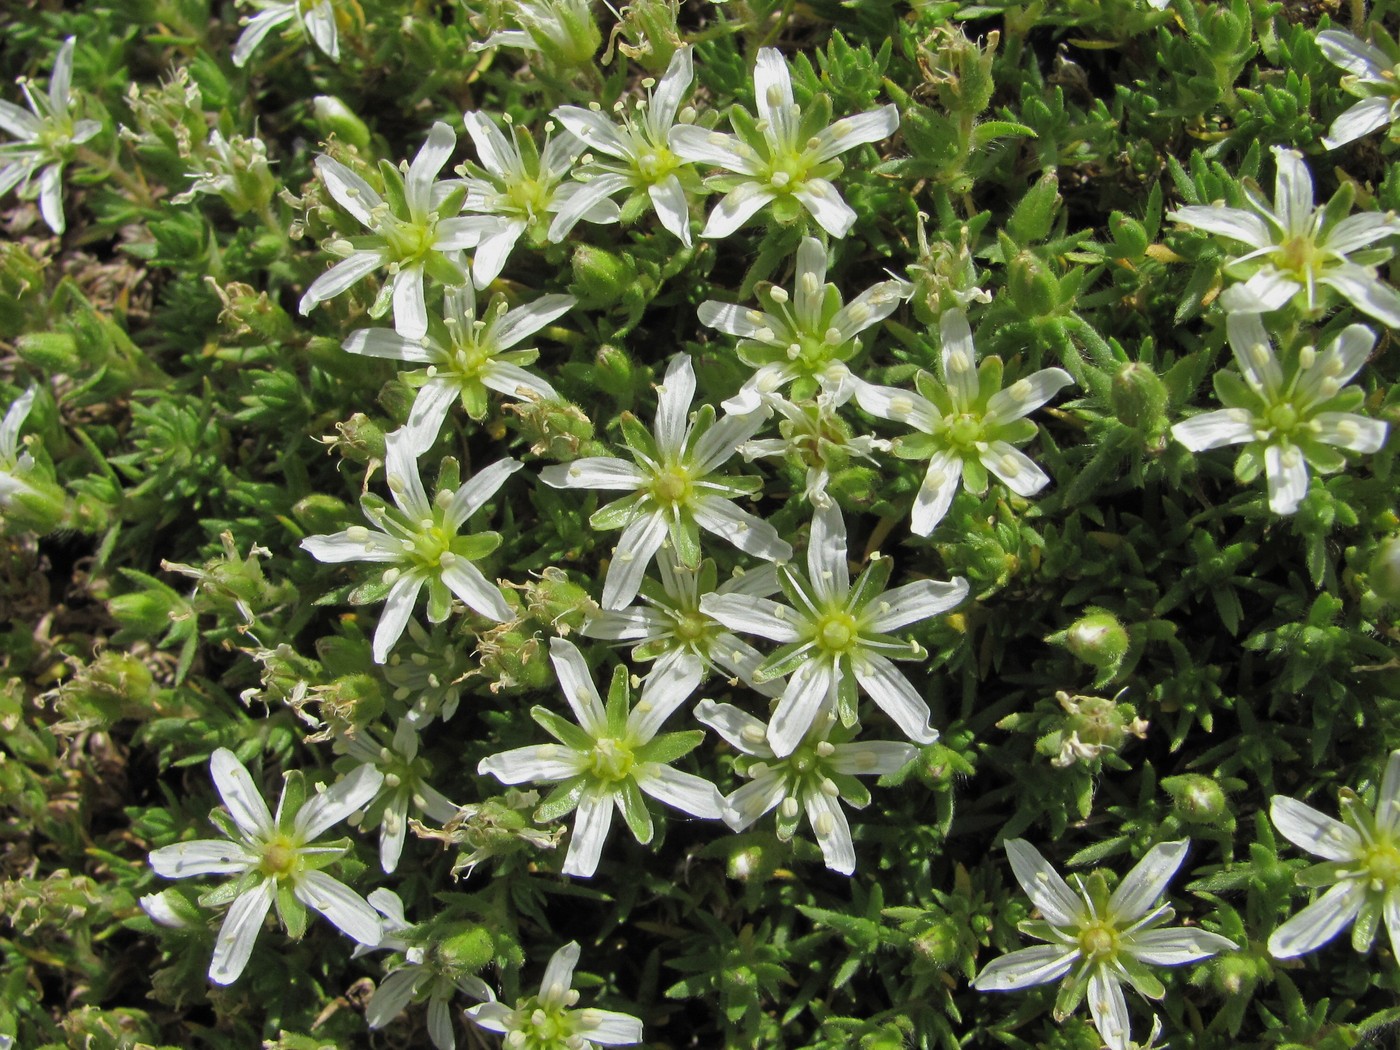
x=1139, y=398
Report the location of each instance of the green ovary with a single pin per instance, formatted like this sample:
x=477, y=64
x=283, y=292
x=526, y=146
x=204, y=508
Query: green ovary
x=1283, y=418
x=430, y=545
x=1297, y=256
x=469, y=361
x=279, y=858
x=1098, y=941
x=612, y=759
x=409, y=241
x=530, y=197
x=692, y=627
x=836, y=632
x=965, y=431
x=1382, y=863
x=671, y=486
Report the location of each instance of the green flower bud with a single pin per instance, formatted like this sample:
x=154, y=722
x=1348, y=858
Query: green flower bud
x=940, y=944
x=149, y=612
x=351, y=701
x=466, y=950
x=648, y=33
x=1384, y=576
x=1130, y=238
x=1138, y=398
x=51, y=352
x=37, y=506
x=1034, y=289
x=601, y=278
x=1097, y=638
x=318, y=513
x=334, y=117
x=963, y=71
x=750, y=862
x=556, y=429
x=1199, y=799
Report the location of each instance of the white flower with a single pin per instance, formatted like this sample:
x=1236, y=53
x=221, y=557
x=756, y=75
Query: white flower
x=612, y=757
x=640, y=158
x=403, y=784
x=675, y=490
x=1300, y=251
x=416, y=231
x=516, y=189
x=564, y=30
x=807, y=335
x=466, y=356
x=14, y=464
x=1097, y=940
x=1361, y=864
x=415, y=979
x=786, y=156
x=815, y=779
x=271, y=855
x=314, y=18
x=971, y=424
x=548, y=1022
x=671, y=624
x=836, y=635
x=419, y=542
x=44, y=136
x=1371, y=74
x=1287, y=417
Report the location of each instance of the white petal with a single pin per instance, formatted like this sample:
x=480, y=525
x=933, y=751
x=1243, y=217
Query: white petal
x=435, y=152
x=325, y=809
x=1365, y=291
x=577, y=682
x=339, y=547
x=51, y=197
x=340, y=277
x=1177, y=947
x=849, y=132
x=463, y=231
x=670, y=93
x=594, y=130
x=737, y=207
x=591, y=825
x=1051, y=894
x=914, y=602
x=187, y=860
x=1109, y=1008
x=682, y=791
x=674, y=396
x=750, y=534
x=1024, y=396
x=827, y=568
x=868, y=309
x=479, y=488
x=1345, y=430
x=1320, y=921
x=959, y=357
x=582, y=199
x=635, y=548
x=498, y=155
x=899, y=406
x=1267, y=290
x=1017, y=471
x=20, y=123
x=386, y=343
x=1359, y=121
x=1354, y=55
x=1235, y=223
x=525, y=321
x=393, y=832
x=410, y=309
x=239, y=932
x=514, y=381
x=493, y=1016
x=1388, y=801
x=398, y=607
x=808, y=691
x=241, y=796
x=1025, y=968
x=824, y=202
x=430, y=407
x=891, y=691
x=672, y=207
x=750, y=614
x=160, y=910
x=1138, y=892
x=559, y=975
x=392, y=996
x=828, y=822
x=1315, y=832
x=1288, y=478
x=258, y=27
x=440, y=1029
x=494, y=249
x=465, y=581
x=1253, y=351
x=345, y=908
x=539, y=762
x=772, y=85
x=746, y=804
x=1360, y=231
x=740, y=729
x=712, y=147
x=1293, y=191
x=595, y=472
x=608, y=1027
x=1227, y=426
x=872, y=758
x=624, y=625
x=350, y=191
x=666, y=688
x=722, y=440
x=401, y=472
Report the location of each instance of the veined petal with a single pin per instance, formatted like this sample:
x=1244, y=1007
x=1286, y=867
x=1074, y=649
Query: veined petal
x=1350, y=431
x=872, y=758
x=849, y=132
x=1017, y=471
x=892, y=693
x=591, y=824
x=594, y=130
x=959, y=357
x=1226, y=426
x=493, y=1016
x=772, y=85
x=514, y=381
x=682, y=791
x=459, y=232
x=350, y=191
x=498, y=155
x=1288, y=478
x=941, y=483
x=809, y=285
x=666, y=688
x=430, y=407
x=1365, y=291
x=672, y=207
x=392, y=997
x=583, y=198
x=750, y=614
x=1059, y=904
x=386, y=343
x=401, y=473
x=345, y=908
x=398, y=607
x=746, y=804
x=1024, y=396
x=808, y=691
x=1293, y=191
x=700, y=146
x=823, y=200
x=241, y=796
x=1388, y=801
x=1177, y=947
x=595, y=472
x=635, y=548
x=1141, y=887
x=577, y=682
x=1249, y=342
x=731, y=319
x=1025, y=968
x=339, y=547
x=1320, y=921
x=51, y=197
x=1109, y=1008
x=525, y=321
x=410, y=309
x=673, y=399
x=740, y=729
x=920, y=600
x=340, y=278
x=20, y=123
x=869, y=308
x=1356, y=56
x=479, y=488
x=737, y=207
x=666, y=99
x=239, y=932
x=258, y=27
x=187, y=860
x=1313, y=831
x=493, y=249
x=320, y=24
x=435, y=152
x=750, y=534
x=827, y=568
x=533, y=764
x=833, y=833
x=1267, y=290
x=327, y=808
x=1360, y=231
x=1235, y=223
x=608, y=1027
x=1359, y=121
x=899, y=406
x=466, y=581
x=624, y=625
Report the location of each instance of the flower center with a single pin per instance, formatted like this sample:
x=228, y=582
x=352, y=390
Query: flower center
x=409, y=240
x=965, y=430
x=1098, y=941
x=1382, y=864
x=469, y=360
x=1297, y=256
x=529, y=196
x=691, y=627
x=612, y=759
x=672, y=486
x=431, y=544
x=279, y=858
x=1283, y=418
x=836, y=632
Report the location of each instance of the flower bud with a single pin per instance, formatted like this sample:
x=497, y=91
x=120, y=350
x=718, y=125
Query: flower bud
x=940, y=944
x=1384, y=576
x=601, y=278
x=749, y=862
x=466, y=950
x=1138, y=398
x=964, y=71
x=319, y=513
x=334, y=117
x=648, y=33
x=1097, y=638
x=51, y=352
x=1199, y=799
x=556, y=429
x=37, y=505
x=1130, y=239
x=1034, y=289
x=513, y=660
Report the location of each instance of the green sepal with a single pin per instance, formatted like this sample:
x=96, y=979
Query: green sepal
x=787, y=826
x=853, y=792
x=916, y=446
x=476, y=546
x=975, y=478
x=654, y=649
x=293, y=798
x=741, y=120
x=619, y=701
x=228, y=892
x=394, y=192
x=637, y=437
x=668, y=747
x=439, y=600
x=221, y=820
x=444, y=270
x=449, y=477
x=1234, y=392
x=562, y=801
x=1071, y=994
x=870, y=584
x=1368, y=919
x=564, y=731
x=847, y=693
x=989, y=378
x=1324, y=874
x=1323, y=458
x=1141, y=977
x=634, y=809
x=685, y=538
x=368, y=593
x=290, y=910
x=783, y=662
x=452, y=201
x=617, y=514
x=474, y=400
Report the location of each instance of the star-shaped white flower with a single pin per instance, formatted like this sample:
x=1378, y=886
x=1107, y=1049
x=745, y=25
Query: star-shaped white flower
x=270, y=855
x=1287, y=416
x=466, y=356
x=1098, y=940
x=1361, y=865
x=836, y=635
x=815, y=779
x=786, y=157
x=314, y=18
x=548, y=1020
x=43, y=138
x=675, y=489
x=419, y=543
x=416, y=231
x=612, y=757
x=1371, y=74
x=1300, y=252
x=969, y=425
x=637, y=154
x=806, y=335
